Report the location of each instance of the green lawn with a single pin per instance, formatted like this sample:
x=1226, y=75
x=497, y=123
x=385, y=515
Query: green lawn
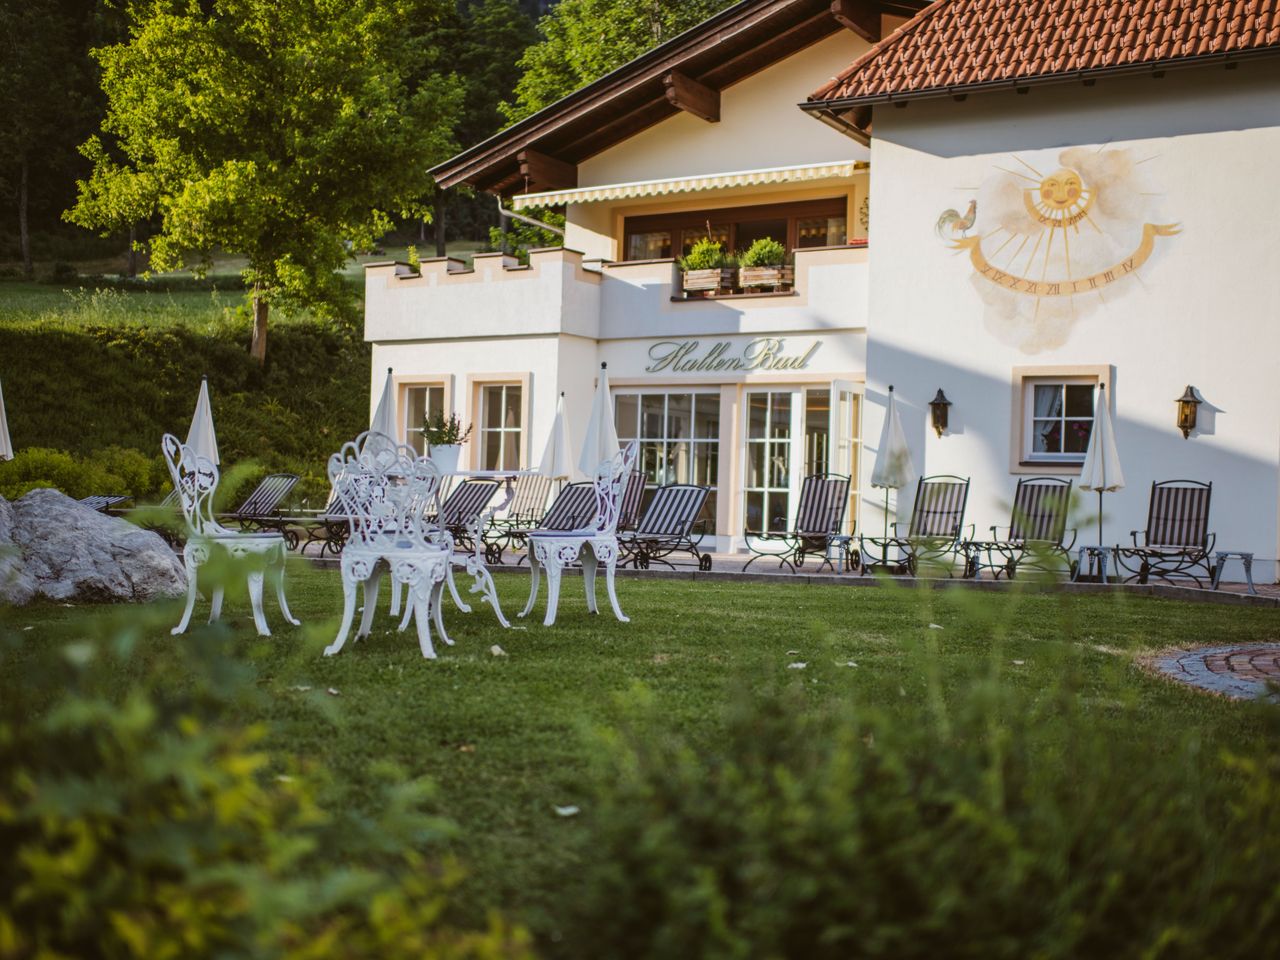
x=502, y=736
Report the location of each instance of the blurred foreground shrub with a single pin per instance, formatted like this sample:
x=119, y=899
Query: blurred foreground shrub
x=994, y=822
x=148, y=824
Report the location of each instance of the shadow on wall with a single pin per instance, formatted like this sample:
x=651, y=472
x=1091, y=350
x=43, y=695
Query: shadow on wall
x=1243, y=509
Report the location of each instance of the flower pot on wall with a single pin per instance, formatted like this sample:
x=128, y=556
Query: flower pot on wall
x=708, y=281
x=755, y=278
x=445, y=456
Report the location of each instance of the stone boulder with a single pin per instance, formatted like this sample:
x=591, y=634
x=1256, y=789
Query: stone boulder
x=16, y=585
x=71, y=552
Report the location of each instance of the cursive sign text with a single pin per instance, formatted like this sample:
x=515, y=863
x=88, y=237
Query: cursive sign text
x=763, y=353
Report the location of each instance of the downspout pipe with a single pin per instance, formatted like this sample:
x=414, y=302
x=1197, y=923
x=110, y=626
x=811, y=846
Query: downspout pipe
x=504, y=212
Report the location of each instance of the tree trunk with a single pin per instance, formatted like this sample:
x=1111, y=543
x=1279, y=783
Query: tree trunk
x=258, y=348
x=132, y=269
x=24, y=235
x=439, y=222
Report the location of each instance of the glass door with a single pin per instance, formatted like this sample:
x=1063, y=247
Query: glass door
x=791, y=434
x=770, y=472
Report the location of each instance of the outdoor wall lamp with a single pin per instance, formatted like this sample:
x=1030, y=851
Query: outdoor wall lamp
x=1187, y=404
x=938, y=412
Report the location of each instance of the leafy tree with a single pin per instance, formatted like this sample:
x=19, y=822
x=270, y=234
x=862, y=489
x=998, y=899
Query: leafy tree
x=585, y=39
x=45, y=79
x=280, y=130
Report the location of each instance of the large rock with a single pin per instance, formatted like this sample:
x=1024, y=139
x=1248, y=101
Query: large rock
x=74, y=553
x=16, y=585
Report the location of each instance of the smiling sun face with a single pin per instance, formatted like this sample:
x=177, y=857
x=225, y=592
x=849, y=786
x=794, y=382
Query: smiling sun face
x=1062, y=199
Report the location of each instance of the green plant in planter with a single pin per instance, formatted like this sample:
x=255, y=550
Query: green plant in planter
x=442, y=431
x=765, y=252
x=706, y=254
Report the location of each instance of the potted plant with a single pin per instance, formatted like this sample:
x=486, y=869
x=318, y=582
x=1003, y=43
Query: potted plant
x=707, y=268
x=444, y=436
x=764, y=265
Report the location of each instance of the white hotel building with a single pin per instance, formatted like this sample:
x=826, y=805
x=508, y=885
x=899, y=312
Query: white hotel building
x=1013, y=202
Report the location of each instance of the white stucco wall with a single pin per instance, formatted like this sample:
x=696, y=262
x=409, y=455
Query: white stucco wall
x=1205, y=312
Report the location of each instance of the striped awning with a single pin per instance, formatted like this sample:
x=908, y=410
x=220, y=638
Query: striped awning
x=716, y=181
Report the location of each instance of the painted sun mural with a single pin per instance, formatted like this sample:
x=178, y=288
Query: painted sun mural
x=1049, y=246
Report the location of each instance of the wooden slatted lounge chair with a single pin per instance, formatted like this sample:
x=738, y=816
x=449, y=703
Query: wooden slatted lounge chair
x=632, y=498
x=824, y=497
x=104, y=502
x=1177, y=543
x=666, y=528
x=463, y=507
x=935, y=530
x=1036, y=535
x=261, y=509
x=528, y=506
x=574, y=506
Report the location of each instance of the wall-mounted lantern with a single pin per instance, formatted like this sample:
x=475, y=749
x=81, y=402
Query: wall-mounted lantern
x=1187, y=404
x=938, y=412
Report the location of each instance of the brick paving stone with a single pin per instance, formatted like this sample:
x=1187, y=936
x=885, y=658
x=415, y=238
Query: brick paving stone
x=1242, y=672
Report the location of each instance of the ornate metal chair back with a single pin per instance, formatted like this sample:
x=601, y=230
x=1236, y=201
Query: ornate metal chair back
x=823, y=500
x=939, y=509
x=610, y=484
x=384, y=489
x=1178, y=515
x=1040, y=506
x=530, y=499
x=195, y=479
x=673, y=511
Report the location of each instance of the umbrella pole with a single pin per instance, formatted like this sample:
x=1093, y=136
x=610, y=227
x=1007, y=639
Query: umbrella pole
x=1100, y=543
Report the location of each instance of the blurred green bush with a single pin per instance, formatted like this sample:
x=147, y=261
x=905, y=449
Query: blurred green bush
x=994, y=822
x=138, y=819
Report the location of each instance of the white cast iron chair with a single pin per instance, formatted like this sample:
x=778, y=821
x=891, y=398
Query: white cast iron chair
x=553, y=550
x=385, y=489
x=195, y=478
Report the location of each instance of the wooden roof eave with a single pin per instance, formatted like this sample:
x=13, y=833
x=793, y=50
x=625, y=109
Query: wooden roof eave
x=491, y=164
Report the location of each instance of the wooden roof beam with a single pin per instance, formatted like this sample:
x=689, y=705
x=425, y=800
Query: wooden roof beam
x=856, y=16
x=542, y=172
x=691, y=96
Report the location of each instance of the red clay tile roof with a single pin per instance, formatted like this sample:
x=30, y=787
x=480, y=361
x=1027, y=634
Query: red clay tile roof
x=957, y=44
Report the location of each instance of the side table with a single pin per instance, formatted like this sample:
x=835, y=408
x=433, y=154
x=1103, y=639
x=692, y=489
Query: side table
x=1246, y=558
x=1092, y=554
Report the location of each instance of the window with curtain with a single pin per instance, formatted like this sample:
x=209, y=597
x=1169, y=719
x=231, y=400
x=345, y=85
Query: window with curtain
x=421, y=401
x=1058, y=418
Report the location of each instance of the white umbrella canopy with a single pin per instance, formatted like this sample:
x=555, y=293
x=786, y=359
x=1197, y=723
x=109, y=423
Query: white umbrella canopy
x=1101, y=469
x=384, y=417
x=601, y=442
x=893, y=468
x=201, y=437
x=557, y=458
x=6, y=445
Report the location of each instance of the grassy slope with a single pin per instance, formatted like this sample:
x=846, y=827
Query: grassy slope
x=501, y=736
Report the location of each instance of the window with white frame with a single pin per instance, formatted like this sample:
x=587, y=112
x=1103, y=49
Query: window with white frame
x=679, y=436
x=501, y=425
x=1057, y=418
x=422, y=402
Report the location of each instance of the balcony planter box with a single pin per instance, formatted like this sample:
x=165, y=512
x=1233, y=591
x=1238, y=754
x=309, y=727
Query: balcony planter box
x=708, y=281
x=754, y=278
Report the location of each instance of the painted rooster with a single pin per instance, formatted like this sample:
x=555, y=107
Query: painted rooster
x=951, y=223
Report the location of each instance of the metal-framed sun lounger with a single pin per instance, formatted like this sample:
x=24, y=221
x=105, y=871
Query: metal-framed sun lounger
x=934, y=533
x=1036, y=536
x=666, y=528
x=1177, y=543
x=819, y=525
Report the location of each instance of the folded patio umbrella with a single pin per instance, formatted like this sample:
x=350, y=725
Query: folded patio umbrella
x=201, y=437
x=557, y=459
x=384, y=417
x=6, y=445
x=893, y=468
x=601, y=442
x=1101, y=470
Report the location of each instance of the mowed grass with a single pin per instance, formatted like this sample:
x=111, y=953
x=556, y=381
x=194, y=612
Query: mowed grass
x=502, y=736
